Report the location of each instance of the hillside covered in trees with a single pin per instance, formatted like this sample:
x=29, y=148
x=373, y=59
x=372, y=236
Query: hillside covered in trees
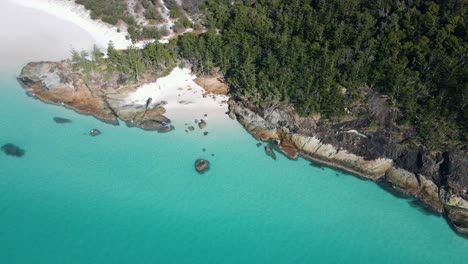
x=146, y=19
x=321, y=55
x=318, y=55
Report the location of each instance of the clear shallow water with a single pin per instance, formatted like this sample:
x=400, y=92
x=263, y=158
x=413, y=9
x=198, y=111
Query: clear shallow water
x=129, y=196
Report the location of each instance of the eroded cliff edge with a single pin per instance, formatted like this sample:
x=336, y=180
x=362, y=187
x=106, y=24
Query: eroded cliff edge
x=96, y=94
x=379, y=152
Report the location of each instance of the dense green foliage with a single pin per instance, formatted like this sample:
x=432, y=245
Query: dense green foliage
x=110, y=11
x=319, y=54
x=155, y=59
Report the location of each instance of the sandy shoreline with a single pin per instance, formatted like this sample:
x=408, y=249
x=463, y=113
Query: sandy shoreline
x=76, y=14
x=184, y=99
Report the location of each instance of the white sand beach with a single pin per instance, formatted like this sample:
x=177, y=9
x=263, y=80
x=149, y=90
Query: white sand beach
x=49, y=29
x=76, y=14
x=28, y=34
x=185, y=99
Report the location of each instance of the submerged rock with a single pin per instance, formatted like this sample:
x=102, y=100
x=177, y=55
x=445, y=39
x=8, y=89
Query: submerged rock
x=13, y=150
x=205, y=133
x=94, y=132
x=202, y=124
x=259, y=144
x=191, y=128
x=165, y=128
x=269, y=152
x=61, y=120
x=202, y=165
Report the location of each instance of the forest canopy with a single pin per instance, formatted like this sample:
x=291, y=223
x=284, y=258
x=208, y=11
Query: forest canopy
x=318, y=55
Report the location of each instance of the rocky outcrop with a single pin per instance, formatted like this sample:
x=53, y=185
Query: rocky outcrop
x=202, y=124
x=202, y=165
x=103, y=98
x=213, y=85
x=438, y=180
x=95, y=132
x=456, y=209
x=269, y=151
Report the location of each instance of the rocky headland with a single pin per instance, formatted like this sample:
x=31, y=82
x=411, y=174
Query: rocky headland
x=100, y=95
x=367, y=144
x=378, y=152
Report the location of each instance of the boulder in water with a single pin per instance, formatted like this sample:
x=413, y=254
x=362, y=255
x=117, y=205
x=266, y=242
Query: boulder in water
x=13, y=150
x=202, y=124
x=269, y=152
x=191, y=128
x=94, y=132
x=165, y=128
x=61, y=120
x=202, y=165
x=205, y=133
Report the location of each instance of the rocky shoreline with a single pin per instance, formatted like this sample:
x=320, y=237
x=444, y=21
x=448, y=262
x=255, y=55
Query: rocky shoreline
x=439, y=180
x=92, y=94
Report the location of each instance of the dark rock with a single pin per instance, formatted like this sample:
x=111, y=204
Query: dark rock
x=204, y=149
x=148, y=102
x=202, y=124
x=13, y=150
x=94, y=132
x=202, y=165
x=212, y=154
x=269, y=152
x=259, y=144
x=206, y=115
x=372, y=134
x=165, y=128
x=61, y=120
x=411, y=161
x=191, y=128
x=205, y=133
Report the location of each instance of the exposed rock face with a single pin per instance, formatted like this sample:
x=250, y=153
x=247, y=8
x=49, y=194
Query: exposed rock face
x=59, y=83
x=213, y=85
x=13, y=150
x=202, y=165
x=457, y=210
x=439, y=180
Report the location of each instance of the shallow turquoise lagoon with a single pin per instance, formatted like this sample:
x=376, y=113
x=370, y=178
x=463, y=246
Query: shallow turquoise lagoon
x=130, y=196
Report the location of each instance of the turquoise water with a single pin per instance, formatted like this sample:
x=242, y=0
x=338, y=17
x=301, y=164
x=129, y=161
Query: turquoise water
x=130, y=196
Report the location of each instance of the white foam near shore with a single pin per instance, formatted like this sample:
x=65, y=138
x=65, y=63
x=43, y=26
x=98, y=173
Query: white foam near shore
x=69, y=11
x=185, y=99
